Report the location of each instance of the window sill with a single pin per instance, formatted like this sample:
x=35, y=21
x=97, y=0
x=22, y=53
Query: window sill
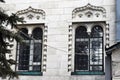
x=87, y=73
x=31, y=73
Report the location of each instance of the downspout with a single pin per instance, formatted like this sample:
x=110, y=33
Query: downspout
x=108, y=67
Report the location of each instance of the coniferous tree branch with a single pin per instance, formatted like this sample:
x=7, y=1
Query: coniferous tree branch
x=5, y=34
x=2, y=1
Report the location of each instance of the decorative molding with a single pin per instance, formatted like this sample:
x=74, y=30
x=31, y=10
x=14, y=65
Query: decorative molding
x=44, y=49
x=90, y=9
x=32, y=11
x=107, y=35
x=30, y=16
x=70, y=49
x=89, y=14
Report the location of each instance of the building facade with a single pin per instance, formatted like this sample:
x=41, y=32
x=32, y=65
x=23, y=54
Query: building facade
x=63, y=39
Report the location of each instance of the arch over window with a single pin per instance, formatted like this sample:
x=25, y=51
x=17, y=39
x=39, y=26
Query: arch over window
x=89, y=50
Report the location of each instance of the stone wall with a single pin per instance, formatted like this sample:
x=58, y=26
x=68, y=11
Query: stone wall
x=58, y=18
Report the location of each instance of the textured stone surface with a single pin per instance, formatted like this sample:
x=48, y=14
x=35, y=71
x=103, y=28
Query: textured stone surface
x=116, y=65
x=58, y=18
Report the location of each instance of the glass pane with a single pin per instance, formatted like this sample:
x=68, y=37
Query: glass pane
x=24, y=57
x=97, y=31
x=37, y=33
x=96, y=68
x=81, y=32
x=36, y=68
x=81, y=62
x=24, y=33
x=81, y=49
x=96, y=48
x=37, y=52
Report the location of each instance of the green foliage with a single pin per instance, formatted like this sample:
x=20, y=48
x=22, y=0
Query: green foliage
x=5, y=34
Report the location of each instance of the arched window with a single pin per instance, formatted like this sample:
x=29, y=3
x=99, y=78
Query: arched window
x=88, y=49
x=23, y=51
x=29, y=53
x=96, y=49
x=81, y=49
x=37, y=48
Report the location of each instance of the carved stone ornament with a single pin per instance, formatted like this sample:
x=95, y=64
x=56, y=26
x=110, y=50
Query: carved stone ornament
x=31, y=13
x=90, y=10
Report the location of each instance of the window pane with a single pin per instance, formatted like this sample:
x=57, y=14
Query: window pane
x=37, y=49
x=89, y=49
x=81, y=32
x=37, y=33
x=97, y=31
x=96, y=68
x=24, y=57
x=81, y=49
x=96, y=48
x=81, y=62
x=24, y=33
x=81, y=55
x=36, y=68
x=37, y=52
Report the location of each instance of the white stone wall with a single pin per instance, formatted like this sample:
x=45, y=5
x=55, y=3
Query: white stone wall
x=58, y=19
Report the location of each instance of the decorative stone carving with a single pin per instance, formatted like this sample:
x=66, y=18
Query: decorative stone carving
x=30, y=16
x=44, y=49
x=88, y=11
x=80, y=15
x=31, y=13
x=97, y=14
x=89, y=14
x=107, y=35
x=38, y=17
x=70, y=49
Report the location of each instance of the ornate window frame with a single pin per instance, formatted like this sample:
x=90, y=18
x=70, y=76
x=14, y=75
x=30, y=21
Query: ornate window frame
x=33, y=10
x=71, y=46
x=39, y=18
x=98, y=18
x=89, y=13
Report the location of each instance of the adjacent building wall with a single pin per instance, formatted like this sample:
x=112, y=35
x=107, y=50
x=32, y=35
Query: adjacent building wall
x=116, y=64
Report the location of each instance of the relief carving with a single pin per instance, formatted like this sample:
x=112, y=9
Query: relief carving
x=31, y=13
x=89, y=11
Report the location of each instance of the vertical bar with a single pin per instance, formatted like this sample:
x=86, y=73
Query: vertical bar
x=108, y=71
x=89, y=43
x=31, y=54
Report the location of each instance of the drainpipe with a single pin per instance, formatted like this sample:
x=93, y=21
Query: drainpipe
x=108, y=67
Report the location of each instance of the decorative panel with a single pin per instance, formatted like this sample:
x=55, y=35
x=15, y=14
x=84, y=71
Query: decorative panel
x=89, y=11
